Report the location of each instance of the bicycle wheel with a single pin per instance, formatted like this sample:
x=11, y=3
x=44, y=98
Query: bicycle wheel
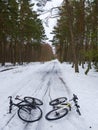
x=58, y=101
x=29, y=114
x=56, y=114
x=33, y=100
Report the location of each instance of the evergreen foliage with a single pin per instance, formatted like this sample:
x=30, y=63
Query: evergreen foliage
x=76, y=32
x=19, y=27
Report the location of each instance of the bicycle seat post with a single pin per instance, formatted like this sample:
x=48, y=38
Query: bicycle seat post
x=11, y=103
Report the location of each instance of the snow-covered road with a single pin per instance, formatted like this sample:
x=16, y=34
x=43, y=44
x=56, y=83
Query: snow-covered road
x=44, y=81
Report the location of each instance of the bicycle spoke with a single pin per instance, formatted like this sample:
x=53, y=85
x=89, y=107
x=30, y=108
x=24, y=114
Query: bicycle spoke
x=33, y=100
x=30, y=114
x=56, y=114
x=58, y=101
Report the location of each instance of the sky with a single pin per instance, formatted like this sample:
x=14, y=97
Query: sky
x=52, y=21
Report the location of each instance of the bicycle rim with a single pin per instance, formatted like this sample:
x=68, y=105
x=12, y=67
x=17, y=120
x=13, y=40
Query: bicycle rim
x=29, y=114
x=33, y=100
x=56, y=114
x=58, y=101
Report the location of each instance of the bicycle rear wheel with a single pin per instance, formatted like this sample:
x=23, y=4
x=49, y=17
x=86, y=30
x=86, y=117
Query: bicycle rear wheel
x=33, y=100
x=58, y=101
x=56, y=114
x=29, y=114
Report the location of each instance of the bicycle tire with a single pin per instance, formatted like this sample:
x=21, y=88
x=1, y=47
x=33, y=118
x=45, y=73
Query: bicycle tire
x=33, y=100
x=55, y=115
x=58, y=101
x=29, y=114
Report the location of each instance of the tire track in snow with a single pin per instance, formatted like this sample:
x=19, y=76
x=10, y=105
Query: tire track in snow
x=24, y=84
x=12, y=116
x=40, y=122
x=58, y=81
x=15, y=93
x=47, y=92
x=72, y=122
x=43, y=82
x=71, y=118
x=66, y=87
x=44, y=86
x=30, y=80
x=35, y=93
x=4, y=126
x=60, y=77
x=47, y=88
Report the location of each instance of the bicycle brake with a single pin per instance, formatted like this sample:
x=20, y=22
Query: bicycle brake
x=10, y=97
x=17, y=97
x=75, y=97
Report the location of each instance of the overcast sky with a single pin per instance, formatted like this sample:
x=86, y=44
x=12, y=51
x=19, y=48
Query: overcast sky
x=51, y=21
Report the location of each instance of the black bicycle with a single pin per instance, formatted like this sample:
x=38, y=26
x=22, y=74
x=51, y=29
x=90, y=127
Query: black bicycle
x=61, y=107
x=28, y=108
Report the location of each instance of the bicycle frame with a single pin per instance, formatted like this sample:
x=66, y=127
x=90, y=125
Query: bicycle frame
x=18, y=104
x=27, y=108
x=68, y=105
x=13, y=104
x=62, y=106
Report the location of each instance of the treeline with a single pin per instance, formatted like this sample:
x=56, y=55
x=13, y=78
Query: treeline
x=21, y=32
x=76, y=33
x=30, y=53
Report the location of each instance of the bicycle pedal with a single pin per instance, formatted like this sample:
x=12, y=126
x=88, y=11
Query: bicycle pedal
x=57, y=114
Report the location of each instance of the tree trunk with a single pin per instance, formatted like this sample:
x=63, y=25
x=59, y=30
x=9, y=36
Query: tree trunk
x=3, y=53
x=70, y=19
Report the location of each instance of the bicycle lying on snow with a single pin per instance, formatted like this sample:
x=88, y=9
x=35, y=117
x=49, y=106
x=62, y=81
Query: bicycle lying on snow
x=61, y=107
x=28, y=108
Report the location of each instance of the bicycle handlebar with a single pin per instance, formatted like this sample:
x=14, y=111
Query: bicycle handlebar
x=10, y=97
x=17, y=98
x=75, y=98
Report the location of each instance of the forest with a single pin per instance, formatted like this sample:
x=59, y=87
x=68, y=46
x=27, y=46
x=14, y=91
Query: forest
x=22, y=34
x=76, y=33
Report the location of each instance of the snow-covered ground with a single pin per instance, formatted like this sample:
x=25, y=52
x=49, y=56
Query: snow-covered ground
x=48, y=81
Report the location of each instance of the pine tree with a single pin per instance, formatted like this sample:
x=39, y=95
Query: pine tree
x=76, y=33
x=19, y=28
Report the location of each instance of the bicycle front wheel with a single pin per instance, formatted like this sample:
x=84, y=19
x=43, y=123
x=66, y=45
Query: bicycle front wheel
x=56, y=114
x=33, y=100
x=29, y=114
x=58, y=101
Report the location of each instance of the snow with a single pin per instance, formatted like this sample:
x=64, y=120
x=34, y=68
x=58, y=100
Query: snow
x=48, y=81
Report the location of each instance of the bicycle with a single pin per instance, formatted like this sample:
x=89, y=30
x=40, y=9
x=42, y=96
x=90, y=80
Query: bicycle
x=61, y=107
x=28, y=108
